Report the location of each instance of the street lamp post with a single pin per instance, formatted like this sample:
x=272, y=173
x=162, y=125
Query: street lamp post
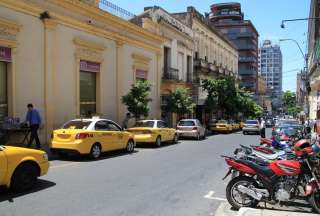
x=305, y=56
x=299, y=19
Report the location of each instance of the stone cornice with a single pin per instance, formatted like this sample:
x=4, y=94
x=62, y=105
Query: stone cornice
x=88, y=44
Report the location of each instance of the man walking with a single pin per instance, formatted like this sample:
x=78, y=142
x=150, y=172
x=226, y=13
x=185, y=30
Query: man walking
x=262, y=128
x=125, y=122
x=34, y=120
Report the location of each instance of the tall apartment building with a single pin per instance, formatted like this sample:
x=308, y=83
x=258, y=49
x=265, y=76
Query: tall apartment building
x=228, y=18
x=270, y=68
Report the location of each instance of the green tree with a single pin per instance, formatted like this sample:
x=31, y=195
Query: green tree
x=222, y=95
x=289, y=100
x=137, y=99
x=257, y=111
x=180, y=102
x=289, y=103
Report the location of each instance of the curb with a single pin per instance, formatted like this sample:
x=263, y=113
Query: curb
x=265, y=212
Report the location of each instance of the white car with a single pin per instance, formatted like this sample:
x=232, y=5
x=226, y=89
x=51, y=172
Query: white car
x=251, y=126
x=191, y=128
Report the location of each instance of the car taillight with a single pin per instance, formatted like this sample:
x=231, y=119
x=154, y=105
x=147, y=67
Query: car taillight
x=81, y=135
x=195, y=128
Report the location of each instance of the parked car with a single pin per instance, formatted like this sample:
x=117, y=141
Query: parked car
x=212, y=124
x=223, y=126
x=235, y=125
x=191, y=128
x=20, y=167
x=153, y=131
x=251, y=126
x=269, y=123
x=91, y=136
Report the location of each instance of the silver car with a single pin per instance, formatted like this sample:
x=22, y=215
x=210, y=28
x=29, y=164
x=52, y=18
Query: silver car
x=191, y=128
x=251, y=126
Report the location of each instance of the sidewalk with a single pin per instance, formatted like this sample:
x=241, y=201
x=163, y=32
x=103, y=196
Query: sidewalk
x=225, y=210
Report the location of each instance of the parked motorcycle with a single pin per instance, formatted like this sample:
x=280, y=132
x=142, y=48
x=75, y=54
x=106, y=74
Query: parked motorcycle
x=256, y=180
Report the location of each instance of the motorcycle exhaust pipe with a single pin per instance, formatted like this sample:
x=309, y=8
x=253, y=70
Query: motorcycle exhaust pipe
x=250, y=192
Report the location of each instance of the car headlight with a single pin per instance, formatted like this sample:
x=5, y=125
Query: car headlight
x=45, y=156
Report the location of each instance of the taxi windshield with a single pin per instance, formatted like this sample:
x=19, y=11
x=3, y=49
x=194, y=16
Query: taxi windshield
x=148, y=124
x=223, y=122
x=78, y=124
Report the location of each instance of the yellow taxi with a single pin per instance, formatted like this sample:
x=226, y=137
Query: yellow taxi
x=241, y=124
x=91, y=136
x=153, y=131
x=223, y=126
x=212, y=124
x=20, y=167
x=235, y=125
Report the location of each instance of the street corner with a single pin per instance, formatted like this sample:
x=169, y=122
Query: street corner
x=225, y=209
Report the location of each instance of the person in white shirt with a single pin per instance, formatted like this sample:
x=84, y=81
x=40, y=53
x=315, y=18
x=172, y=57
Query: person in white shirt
x=262, y=128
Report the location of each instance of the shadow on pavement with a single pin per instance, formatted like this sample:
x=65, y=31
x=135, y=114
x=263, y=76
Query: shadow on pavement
x=8, y=195
x=153, y=146
x=85, y=158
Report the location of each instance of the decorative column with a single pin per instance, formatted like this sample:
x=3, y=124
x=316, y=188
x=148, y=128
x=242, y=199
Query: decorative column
x=49, y=75
x=159, y=80
x=119, y=68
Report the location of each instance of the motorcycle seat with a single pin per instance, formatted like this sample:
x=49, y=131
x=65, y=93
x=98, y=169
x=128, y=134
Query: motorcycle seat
x=260, y=169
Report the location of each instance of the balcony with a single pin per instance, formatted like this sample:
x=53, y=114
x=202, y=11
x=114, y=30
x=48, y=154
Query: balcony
x=247, y=47
x=246, y=34
x=247, y=72
x=201, y=63
x=247, y=59
x=171, y=74
x=212, y=67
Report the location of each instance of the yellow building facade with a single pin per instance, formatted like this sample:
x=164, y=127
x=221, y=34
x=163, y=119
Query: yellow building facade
x=70, y=58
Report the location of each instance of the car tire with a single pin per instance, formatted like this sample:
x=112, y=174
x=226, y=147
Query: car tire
x=24, y=177
x=130, y=146
x=95, y=151
x=244, y=133
x=158, y=142
x=175, y=139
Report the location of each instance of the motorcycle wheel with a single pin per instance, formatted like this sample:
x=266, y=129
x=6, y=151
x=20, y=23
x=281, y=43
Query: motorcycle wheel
x=315, y=201
x=237, y=199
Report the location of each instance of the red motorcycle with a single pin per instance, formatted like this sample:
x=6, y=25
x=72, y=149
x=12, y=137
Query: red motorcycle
x=278, y=181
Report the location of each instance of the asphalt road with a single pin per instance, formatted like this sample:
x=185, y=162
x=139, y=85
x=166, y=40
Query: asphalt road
x=175, y=180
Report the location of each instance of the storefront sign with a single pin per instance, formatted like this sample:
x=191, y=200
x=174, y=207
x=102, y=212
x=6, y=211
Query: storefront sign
x=89, y=66
x=5, y=54
x=141, y=74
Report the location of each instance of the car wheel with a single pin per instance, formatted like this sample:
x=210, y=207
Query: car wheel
x=130, y=146
x=175, y=139
x=95, y=151
x=24, y=177
x=244, y=133
x=158, y=141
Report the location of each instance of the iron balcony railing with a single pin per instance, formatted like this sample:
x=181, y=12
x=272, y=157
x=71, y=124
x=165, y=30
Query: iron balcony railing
x=171, y=74
x=116, y=10
x=247, y=59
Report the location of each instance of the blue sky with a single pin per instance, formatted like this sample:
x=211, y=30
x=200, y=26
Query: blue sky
x=266, y=15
